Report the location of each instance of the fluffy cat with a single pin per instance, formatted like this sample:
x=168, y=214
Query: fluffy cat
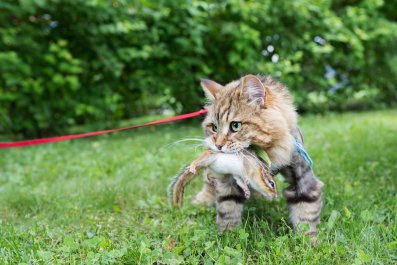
x=257, y=111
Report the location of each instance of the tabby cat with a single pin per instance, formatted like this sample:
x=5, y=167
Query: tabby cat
x=257, y=111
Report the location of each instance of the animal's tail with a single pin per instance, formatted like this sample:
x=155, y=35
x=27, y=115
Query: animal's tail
x=177, y=186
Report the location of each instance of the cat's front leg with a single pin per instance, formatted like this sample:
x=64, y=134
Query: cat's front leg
x=229, y=204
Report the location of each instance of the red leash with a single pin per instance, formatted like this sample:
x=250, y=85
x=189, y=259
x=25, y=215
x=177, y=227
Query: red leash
x=82, y=135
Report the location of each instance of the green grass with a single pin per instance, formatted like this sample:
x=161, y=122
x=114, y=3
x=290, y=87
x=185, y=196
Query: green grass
x=104, y=200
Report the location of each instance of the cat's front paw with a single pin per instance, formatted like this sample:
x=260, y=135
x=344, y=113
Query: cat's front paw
x=204, y=198
x=228, y=225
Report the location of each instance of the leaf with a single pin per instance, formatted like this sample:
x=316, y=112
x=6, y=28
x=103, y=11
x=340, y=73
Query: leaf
x=332, y=219
x=231, y=251
x=347, y=213
x=90, y=234
x=392, y=245
x=242, y=234
x=46, y=256
x=117, y=253
x=362, y=256
x=339, y=236
x=366, y=215
x=69, y=245
x=209, y=244
x=303, y=227
x=144, y=249
x=93, y=242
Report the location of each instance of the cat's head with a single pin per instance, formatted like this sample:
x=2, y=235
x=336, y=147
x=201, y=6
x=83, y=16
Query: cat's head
x=235, y=118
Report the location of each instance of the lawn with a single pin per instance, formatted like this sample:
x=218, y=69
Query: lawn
x=104, y=200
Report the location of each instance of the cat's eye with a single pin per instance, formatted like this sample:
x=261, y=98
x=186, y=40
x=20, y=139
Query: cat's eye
x=272, y=184
x=235, y=126
x=214, y=127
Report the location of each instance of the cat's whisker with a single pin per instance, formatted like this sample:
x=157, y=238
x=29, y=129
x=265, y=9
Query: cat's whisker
x=254, y=157
x=183, y=140
x=242, y=156
x=248, y=155
x=189, y=139
x=245, y=155
x=196, y=146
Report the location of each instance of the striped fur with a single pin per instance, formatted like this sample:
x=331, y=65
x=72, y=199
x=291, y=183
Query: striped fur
x=304, y=195
x=177, y=187
x=269, y=121
x=229, y=204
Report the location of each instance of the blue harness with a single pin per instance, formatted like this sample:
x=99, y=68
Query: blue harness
x=303, y=153
x=299, y=148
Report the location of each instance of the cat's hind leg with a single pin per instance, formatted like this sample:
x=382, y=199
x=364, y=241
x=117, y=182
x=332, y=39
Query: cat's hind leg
x=304, y=195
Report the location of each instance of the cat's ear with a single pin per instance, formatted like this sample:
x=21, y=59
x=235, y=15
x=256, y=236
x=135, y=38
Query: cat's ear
x=254, y=89
x=210, y=88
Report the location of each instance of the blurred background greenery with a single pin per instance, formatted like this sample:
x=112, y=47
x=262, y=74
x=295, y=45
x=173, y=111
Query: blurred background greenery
x=70, y=62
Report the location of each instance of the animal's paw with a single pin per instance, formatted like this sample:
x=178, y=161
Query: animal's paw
x=228, y=225
x=204, y=198
x=312, y=234
x=213, y=182
x=193, y=169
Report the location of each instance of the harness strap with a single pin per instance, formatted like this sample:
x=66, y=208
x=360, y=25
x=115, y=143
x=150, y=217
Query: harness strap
x=299, y=148
x=302, y=151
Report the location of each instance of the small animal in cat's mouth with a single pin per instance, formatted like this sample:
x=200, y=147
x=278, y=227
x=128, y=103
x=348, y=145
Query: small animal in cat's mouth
x=244, y=168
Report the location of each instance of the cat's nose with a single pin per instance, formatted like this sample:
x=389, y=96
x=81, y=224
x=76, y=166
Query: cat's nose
x=219, y=146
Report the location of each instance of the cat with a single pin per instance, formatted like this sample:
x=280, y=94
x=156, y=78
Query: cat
x=231, y=176
x=257, y=111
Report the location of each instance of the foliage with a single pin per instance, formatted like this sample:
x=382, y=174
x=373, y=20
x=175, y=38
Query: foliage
x=72, y=62
x=104, y=201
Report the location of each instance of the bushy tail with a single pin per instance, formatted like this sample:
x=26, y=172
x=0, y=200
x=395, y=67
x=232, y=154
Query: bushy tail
x=177, y=186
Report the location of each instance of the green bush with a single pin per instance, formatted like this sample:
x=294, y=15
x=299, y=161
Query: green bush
x=67, y=62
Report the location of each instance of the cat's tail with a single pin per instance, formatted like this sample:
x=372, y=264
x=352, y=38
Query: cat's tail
x=178, y=184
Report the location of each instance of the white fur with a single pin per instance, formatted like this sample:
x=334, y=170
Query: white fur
x=227, y=164
x=233, y=164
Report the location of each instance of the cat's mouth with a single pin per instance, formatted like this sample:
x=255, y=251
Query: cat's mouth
x=224, y=151
x=235, y=151
x=233, y=148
